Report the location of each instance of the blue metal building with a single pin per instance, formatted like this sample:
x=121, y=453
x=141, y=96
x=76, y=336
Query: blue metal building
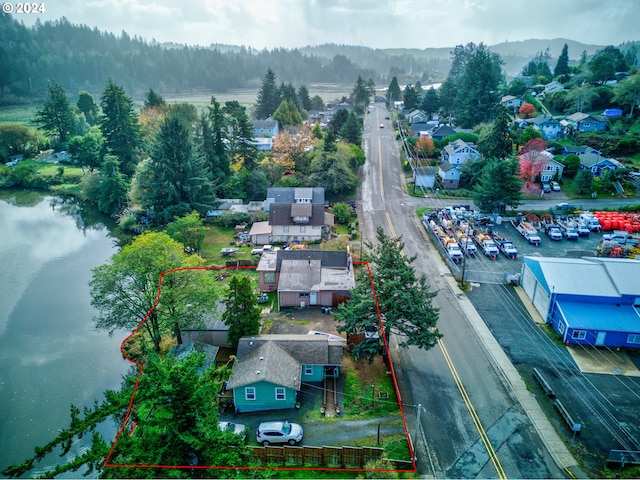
x=588, y=301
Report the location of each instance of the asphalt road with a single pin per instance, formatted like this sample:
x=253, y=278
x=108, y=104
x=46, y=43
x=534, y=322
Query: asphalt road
x=470, y=426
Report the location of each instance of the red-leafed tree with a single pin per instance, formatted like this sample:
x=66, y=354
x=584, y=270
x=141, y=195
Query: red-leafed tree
x=537, y=144
x=526, y=110
x=532, y=159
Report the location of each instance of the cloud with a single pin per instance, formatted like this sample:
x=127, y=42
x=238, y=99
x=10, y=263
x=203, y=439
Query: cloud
x=378, y=24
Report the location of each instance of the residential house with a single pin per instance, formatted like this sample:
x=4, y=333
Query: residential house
x=598, y=164
x=553, y=87
x=550, y=169
x=548, y=126
x=419, y=129
x=271, y=369
x=264, y=133
x=294, y=195
x=224, y=205
x=442, y=131
x=294, y=222
x=424, y=177
x=213, y=330
x=260, y=233
x=449, y=175
x=417, y=116
x=305, y=278
x=583, y=122
x=459, y=152
x=183, y=350
x=587, y=301
x=578, y=150
x=512, y=103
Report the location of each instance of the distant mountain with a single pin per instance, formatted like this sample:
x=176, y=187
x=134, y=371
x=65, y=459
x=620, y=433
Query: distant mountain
x=529, y=48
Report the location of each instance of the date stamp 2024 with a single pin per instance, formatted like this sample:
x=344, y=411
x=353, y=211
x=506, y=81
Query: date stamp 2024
x=23, y=7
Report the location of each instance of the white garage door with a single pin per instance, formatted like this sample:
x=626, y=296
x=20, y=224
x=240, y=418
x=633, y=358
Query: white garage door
x=541, y=302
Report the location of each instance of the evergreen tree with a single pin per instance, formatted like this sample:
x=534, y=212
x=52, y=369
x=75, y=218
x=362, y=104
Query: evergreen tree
x=330, y=139
x=317, y=103
x=498, y=142
x=88, y=106
x=268, y=97
x=113, y=188
x=332, y=173
x=338, y=120
x=287, y=114
x=562, y=67
x=351, y=131
x=478, y=87
x=404, y=298
x=55, y=116
x=410, y=96
x=153, y=100
x=371, y=87
x=303, y=98
x=242, y=314
x=218, y=156
x=394, y=93
x=240, y=130
x=360, y=93
x=120, y=127
x=288, y=92
x=430, y=101
x=181, y=181
x=500, y=186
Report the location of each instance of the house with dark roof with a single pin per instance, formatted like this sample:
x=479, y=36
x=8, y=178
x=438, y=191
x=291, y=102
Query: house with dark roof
x=298, y=222
x=294, y=195
x=442, y=131
x=212, y=331
x=578, y=150
x=306, y=278
x=271, y=369
x=588, y=301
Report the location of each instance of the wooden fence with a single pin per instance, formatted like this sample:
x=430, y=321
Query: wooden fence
x=339, y=457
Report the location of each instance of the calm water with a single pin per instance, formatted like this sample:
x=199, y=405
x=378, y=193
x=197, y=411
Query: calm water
x=50, y=354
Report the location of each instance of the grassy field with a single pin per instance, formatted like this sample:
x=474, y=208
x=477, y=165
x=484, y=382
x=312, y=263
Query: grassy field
x=22, y=114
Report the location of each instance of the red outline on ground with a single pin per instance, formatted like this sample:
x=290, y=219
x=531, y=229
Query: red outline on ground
x=141, y=369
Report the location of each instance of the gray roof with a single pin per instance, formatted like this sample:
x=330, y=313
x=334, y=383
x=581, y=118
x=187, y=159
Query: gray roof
x=590, y=159
x=264, y=123
x=442, y=131
x=183, y=350
x=543, y=119
x=590, y=276
x=281, y=214
x=446, y=166
x=301, y=210
x=328, y=258
x=426, y=171
x=300, y=275
x=289, y=195
x=279, y=358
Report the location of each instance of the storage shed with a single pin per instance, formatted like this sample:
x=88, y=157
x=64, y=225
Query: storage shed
x=588, y=301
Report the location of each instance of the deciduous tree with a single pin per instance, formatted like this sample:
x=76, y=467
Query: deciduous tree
x=526, y=110
x=188, y=230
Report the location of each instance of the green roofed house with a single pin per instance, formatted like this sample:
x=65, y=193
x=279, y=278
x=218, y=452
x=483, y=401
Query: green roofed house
x=271, y=369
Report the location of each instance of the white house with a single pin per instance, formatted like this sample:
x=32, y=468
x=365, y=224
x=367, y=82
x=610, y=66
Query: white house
x=459, y=152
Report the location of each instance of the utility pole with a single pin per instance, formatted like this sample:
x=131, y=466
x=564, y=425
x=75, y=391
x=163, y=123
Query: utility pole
x=415, y=441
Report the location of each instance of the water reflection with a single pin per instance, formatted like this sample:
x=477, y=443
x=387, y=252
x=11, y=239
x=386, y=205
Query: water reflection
x=50, y=354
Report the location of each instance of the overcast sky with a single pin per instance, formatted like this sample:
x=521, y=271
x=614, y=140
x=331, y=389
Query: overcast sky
x=373, y=23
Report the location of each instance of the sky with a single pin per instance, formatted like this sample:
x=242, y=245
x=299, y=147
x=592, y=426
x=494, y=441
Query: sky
x=372, y=23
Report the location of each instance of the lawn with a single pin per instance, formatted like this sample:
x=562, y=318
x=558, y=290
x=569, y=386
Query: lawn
x=22, y=114
x=368, y=389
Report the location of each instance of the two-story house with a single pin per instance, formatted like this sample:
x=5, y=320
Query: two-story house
x=297, y=222
x=512, y=103
x=549, y=127
x=583, y=122
x=459, y=152
x=264, y=133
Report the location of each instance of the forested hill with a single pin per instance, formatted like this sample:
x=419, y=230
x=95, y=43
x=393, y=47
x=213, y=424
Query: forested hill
x=83, y=58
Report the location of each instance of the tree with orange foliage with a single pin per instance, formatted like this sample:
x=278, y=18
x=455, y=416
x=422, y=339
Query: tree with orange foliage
x=425, y=147
x=526, y=110
x=291, y=150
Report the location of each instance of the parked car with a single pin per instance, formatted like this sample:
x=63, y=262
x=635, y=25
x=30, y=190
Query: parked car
x=279, y=432
x=566, y=206
x=546, y=188
x=382, y=125
x=555, y=186
x=237, y=428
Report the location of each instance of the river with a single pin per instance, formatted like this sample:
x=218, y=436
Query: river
x=50, y=354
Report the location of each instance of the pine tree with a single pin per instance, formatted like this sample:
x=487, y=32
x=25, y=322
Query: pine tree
x=88, y=106
x=351, y=131
x=394, y=93
x=112, y=192
x=498, y=142
x=242, y=314
x=120, y=127
x=562, y=67
x=181, y=180
x=500, y=186
x=219, y=156
x=303, y=98
x=430, y=102
x=268, y=96
x=241, y=142
x=360, y=93
x=410, y=96
x=56, y=117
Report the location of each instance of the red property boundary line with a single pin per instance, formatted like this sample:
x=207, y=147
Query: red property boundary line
x=141, y=370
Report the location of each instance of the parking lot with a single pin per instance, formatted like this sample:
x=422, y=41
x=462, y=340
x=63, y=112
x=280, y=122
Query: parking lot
x=598, y=386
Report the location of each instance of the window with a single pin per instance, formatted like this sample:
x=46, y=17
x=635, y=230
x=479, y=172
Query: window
x=308, y=370
x=250, y=393
x=633, y=338
x=280, y=393
x=561, y=327
x=269, y=277
x=302, y=229
x=304, y=295
x=286, y=229
x=579, y=334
